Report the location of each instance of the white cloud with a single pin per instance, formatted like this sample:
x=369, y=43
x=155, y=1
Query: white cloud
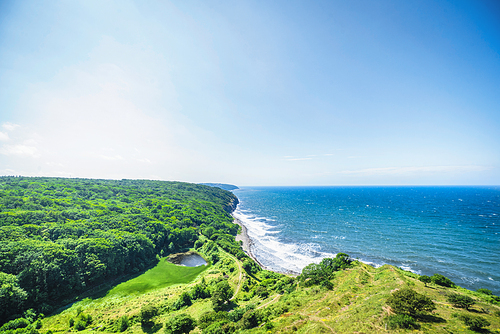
x=10, y=126
x=4, y=136
x=19, y=150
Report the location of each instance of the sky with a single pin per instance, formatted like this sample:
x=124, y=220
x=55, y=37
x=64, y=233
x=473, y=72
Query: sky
x=252, y=93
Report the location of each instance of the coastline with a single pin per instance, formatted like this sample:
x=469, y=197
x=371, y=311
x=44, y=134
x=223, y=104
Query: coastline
x=247, y=248
x=247, y=242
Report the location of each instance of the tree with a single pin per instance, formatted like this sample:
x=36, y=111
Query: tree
x=425, y=279
x=180, y=324
x=12, y=296
x=442, y=280
x=460, y=300
x=221, y=294
x=408, y=301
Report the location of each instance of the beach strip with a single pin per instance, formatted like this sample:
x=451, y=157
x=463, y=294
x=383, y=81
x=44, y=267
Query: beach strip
x=247, y=242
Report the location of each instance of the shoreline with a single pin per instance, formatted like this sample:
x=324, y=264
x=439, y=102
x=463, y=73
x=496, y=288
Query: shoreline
x=248, y=244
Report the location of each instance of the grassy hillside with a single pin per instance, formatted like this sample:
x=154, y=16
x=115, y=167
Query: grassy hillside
x=355, y=304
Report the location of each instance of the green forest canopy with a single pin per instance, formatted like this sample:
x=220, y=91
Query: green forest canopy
x=59, y=237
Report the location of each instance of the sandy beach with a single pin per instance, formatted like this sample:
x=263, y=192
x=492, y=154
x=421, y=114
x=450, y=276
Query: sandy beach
x=247, y=242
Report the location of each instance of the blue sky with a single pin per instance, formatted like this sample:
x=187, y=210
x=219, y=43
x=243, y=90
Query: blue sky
x=252, y=92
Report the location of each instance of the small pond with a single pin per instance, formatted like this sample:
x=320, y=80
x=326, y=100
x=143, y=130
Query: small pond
x=192, y=260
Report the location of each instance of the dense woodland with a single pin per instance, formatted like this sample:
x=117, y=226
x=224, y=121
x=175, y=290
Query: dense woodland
x=59, y=237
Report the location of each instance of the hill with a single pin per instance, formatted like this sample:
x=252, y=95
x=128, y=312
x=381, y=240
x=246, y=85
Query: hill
x=221, y=185
x=81, y=255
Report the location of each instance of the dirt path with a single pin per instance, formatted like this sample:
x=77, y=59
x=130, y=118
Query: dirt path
x=240, y=279
x=269, y=302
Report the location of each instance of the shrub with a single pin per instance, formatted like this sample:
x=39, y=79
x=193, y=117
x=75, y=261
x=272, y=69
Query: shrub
x=485, y=291
x=80, y=324
x=237, y=313
x=460, y=300
x=327, y=284
x=183, y=300
x=216, y=328
x=122, y=323
x=261, y=291
x=198, y=244
x=15, y=324
x=401, y=321
x=180, y=324
x=474, y=322
x=425, y=279
x=147, y=313
x=250, y=319
x=410, y=302
x=442, y=280
x=199, y=291
x=208, y=318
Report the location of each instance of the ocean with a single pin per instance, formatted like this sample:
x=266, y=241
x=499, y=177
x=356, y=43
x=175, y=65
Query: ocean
x=453, y=231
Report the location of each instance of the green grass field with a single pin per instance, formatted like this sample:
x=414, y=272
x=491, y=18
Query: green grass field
x=162, y=275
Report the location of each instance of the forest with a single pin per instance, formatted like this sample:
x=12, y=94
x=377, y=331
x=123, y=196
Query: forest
x=59, y=237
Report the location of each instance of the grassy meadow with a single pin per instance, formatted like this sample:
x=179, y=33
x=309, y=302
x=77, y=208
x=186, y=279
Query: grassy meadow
x=162, y=275
x=356, y=304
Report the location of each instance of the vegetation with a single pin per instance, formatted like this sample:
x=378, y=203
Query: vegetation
x=80, y=248
x=476, y=323
x=408, y=301
x=60, y=237
x=460, y=300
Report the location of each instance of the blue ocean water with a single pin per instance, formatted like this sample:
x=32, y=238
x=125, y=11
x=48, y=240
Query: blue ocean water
x=454, y=231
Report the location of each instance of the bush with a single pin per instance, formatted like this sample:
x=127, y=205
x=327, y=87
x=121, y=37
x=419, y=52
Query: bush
x=410, y=302
x=250, y=319
x=261, y=291
x=15, y=324
x=122, y=323
x=80, y=324
x=183, y=300
x=425, y=279
x=198, y=244
x=401, y=321
x=199, y=291
x=216, y=328
x=208, y=318
x=147, y=313
x=238, y=313
x=442, y=280
x=180, y=324
x=485, y=291
x=460, y=300
x=474, y=322
x=327, y=284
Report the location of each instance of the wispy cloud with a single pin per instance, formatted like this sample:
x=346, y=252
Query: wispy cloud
x=9, y=126
x=4, y=136
x=419, y=169
x=19, y=150
x=307, y=157
x=297, y=159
